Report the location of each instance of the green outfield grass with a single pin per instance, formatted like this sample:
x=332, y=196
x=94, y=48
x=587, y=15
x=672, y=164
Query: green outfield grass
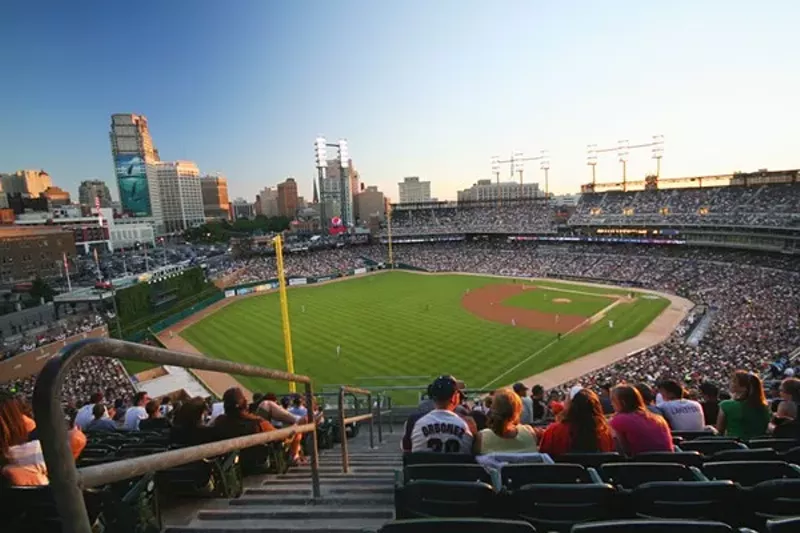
x=542, y=299
x=401, y=323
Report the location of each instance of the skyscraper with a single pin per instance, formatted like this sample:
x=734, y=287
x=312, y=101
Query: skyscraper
x=215, y=196
x=91, y=189
x=267, y=201
x=287, y=198
x=181, y=194
x=28, y=183
x=132, y=150
x=412, y=190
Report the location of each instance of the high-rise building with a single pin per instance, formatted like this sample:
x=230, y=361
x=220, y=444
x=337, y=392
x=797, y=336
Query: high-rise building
x=267, y=202
x=181, y=194
x=28, y=183
x=287, y=198
x=412, y=190
x=91, y=189
x=133, y=151
x=215, y=196
x=241, y=208
x=507, y=190
x=370, y=202
x=56, y=196
x=339, y=189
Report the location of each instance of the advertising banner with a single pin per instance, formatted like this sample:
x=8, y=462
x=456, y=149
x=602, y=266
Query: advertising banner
x=248, y=290
x=298, y=281
x=326, y=278
x=230, y=293
x=262, y=288
x=358, y=271
x=134, y=193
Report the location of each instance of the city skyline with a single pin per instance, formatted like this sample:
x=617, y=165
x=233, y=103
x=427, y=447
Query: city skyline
x=713, y=79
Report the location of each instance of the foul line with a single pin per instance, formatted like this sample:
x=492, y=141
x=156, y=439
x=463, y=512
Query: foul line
x=591, y=320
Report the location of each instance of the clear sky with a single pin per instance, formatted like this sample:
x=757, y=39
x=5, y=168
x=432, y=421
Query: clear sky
x=429, y=88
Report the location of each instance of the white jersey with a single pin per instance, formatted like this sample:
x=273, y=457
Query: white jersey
x=683, y=415
x=443, y=432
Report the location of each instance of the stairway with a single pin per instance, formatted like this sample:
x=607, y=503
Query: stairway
x=360, y=501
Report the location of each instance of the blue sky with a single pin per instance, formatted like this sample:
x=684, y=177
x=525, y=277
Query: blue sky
x=419, y=87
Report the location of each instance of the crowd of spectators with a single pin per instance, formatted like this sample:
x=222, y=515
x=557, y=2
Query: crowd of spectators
x=55, y=332
x=508, y=217
x=766, y=205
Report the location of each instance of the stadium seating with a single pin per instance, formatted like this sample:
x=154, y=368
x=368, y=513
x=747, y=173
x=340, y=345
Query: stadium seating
x=709, y=447
x=779, y=445
x=785, y=525
x=433, y=498
x=631, y=475
x=590, y=459
x=687, y=458
x=656, y=526
x=423, y=458
x=691, y=500
x=457, y=525
x=512, y=477
x=447, y=472
x=559, y=506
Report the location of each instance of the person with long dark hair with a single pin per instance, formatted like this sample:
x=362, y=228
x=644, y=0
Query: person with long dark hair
x=747, y=415
x=21, y=459
x=504, y=432
x=581, y=427
x=638, y=430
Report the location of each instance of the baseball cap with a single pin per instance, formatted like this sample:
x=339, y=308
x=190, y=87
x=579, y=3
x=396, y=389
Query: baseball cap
x=444, y=387
x=520, y=388
x=574, y=391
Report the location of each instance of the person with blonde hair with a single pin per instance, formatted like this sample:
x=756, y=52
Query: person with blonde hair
x=505, y=433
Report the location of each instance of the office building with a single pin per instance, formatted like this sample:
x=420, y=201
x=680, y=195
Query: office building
x=89, y=190
x=287, y=198
x=339, y=189
x=267, y=202
x=56, y=196
x=181, y=194
x=412, y=191
x=134, y=154
x=485, y=190
x=28, y=252
x=28, y=183
x=370, y=202
x=241, y=208
x=215, y=197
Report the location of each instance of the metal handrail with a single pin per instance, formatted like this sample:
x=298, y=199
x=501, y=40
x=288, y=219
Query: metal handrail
x=67, y=481
x=344, y=389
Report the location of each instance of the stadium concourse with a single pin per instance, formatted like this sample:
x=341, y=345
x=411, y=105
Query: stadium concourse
x=746, y=313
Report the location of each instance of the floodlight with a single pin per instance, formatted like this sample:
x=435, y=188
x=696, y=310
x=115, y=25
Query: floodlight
x=658, y=146
x=320, y=150
x=544, y=159
x=517, y=161
x=344, y=156
x=591, y=154
x=622, y=150
x=495, y=164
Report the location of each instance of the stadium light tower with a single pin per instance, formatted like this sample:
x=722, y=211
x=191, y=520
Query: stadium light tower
x=591, y=160
x=622, y=152
x=518, y=166
x=321, y=155
x=544, y=164
x=496, y=172
x=658, y=152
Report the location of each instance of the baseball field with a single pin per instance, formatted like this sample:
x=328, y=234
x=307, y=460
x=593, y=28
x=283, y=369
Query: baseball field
x=487, y=331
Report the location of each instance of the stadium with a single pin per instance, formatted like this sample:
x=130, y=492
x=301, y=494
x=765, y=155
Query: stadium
x=664, y=287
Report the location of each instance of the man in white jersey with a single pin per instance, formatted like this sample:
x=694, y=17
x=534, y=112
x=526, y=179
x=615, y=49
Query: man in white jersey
x=441, y=430
x=680, y=413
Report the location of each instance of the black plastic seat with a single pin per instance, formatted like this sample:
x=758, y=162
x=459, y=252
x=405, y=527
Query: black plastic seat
x=654, y=526
x=558, y=507
x=773, y=499
x=785, y=525
x=764, y=454
x=691, y=435
x=750, y=473
x=631, y=475
x=431, y=458
x=516, y=475
x=590, y=459
x=213, y=477
x=33, y=508
x=712, y=446
x=457, y=525
x=425, y=498
x=779, y=445
x=447, y=472
x=138, y=450
x=792, y=455
x=687, y=458
x=691, y=500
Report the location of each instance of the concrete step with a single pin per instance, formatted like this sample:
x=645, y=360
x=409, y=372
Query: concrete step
x=305, y=490
x=282, y=526
x=295, y=512
x=361, y=476
x=359, y=500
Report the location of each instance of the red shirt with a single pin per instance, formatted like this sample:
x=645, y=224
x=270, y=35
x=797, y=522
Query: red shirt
x=639, y=433
x=556, y=440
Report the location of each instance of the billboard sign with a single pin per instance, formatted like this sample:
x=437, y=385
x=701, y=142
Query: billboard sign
x=134, y=193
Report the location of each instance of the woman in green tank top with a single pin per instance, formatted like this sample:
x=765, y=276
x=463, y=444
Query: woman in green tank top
x=747, y=415
x=505, y=433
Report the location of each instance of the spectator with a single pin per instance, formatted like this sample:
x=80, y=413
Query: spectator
x=605, y=399
x=21, y=458
x=581, y=428
x=649, y=399
x=188, y=428
x=136, y=413
x=298, y=409
x=537, y=400
x=505, y=432
x=638, y=430
x=680, y=413
x=271, y=411
x=155, y=421
x=527, y=403
x=85, y=413
x=100, y=420
x=166, y=406
x=790, y=390
x=441, y=430
x=747, y=414
x=710, y=402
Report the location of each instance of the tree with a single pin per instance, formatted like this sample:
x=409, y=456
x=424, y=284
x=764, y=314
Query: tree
x=40, y=289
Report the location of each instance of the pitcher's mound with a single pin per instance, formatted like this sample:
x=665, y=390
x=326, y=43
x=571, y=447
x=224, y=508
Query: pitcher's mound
x=561, y=300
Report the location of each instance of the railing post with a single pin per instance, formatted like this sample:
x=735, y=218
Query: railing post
x=371, y=411
x=380, y=420
x=314, y=452
x=391, y=416
x=343, y=432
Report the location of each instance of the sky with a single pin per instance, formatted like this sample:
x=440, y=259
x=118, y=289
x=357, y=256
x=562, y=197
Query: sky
x=418, y=88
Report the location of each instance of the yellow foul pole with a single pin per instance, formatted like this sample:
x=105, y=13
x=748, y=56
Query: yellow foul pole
x=287, y=328
x=389, y=228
